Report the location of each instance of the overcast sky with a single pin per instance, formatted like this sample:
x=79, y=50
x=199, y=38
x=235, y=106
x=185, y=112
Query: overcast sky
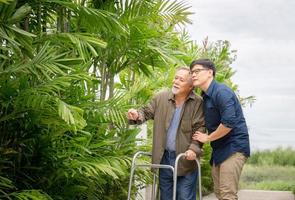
x=263, y=33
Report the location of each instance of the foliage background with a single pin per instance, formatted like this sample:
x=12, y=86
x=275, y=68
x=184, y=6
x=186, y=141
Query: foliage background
x=69, y=70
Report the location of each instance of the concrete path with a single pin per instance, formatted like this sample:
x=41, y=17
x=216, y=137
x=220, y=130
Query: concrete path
x=259, y=195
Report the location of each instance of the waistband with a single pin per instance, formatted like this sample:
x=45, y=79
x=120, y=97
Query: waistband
x=169, y=152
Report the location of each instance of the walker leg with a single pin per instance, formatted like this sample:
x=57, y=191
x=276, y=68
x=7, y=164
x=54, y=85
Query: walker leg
x=130, y=182
x=154, y=187
x=199, y=179
x=132, y=173
x=154, y=166
x=175, y=176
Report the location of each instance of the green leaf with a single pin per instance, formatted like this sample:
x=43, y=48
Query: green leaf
x=20, y=13
x=22, y=32
x=5, y=1
x=93, y=40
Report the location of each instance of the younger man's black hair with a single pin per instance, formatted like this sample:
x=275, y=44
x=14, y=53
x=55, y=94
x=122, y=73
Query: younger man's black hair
x=206, y=63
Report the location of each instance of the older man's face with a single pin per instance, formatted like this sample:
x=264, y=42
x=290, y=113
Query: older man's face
x=182, y=83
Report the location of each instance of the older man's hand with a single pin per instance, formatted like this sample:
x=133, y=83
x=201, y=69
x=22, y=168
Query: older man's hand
x=132, y=114
x=190, y=155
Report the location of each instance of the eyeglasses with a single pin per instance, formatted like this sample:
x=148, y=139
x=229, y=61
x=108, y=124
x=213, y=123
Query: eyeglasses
x=197, y=71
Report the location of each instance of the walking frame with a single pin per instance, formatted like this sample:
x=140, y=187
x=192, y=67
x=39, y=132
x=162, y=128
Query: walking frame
x=158, y=166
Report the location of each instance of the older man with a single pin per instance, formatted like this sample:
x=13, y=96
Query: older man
x=177, y=114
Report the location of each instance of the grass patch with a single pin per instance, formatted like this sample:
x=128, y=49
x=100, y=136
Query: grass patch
x=268, y=177
x=270, y=170
x=279, y=156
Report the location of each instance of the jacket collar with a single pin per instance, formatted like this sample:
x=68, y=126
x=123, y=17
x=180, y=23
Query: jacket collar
x=192, y=95
x=209, y=92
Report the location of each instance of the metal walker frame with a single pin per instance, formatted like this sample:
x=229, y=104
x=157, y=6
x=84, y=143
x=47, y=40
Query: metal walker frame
x=158, y=166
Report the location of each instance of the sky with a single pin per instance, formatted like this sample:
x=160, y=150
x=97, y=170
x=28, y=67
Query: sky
x=263, y=33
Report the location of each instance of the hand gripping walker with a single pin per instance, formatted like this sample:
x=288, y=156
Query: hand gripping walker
x=158, y=166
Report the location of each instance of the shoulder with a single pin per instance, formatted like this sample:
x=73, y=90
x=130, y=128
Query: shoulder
x=224, y=95
x=194, y=100
x=198, y=98
x=163, y=94
x=222, y=89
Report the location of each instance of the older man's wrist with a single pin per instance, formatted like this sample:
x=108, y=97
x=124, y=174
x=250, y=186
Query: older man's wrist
x=198, y=151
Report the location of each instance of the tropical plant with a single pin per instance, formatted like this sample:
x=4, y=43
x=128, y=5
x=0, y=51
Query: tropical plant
x=62, y=117
x=56, y=141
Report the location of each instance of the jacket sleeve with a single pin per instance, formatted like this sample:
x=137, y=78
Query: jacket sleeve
x=148, y=111
x=198, y=123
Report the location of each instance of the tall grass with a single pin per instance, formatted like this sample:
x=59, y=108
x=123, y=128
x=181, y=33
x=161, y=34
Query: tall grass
x=270, y=170
x=279, y=156
x=268, y=177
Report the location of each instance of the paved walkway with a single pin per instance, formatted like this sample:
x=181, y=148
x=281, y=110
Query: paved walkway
x=259, y=195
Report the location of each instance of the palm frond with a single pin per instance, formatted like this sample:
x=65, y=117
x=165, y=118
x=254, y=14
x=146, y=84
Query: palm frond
x=94, y=19
x=86, y=44
x=30, y=195
x=46, y=64
x=71, y=115
x=5, y=1
x=169, y=12
x=5, y=183
x=174, y=11
x=19, y=14
x=111, y=111
x=12, y=36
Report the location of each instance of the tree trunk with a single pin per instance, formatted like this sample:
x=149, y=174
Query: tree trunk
x=104, y=82
x=39, y=21
x=68, y=28
x=39, y=24
x=131, y=83
x=94, y=86
x=60, y=19
x=44, y=21
x=111, y=85
x=26, y=24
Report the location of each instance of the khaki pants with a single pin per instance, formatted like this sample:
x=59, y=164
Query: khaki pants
x=226, y=177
